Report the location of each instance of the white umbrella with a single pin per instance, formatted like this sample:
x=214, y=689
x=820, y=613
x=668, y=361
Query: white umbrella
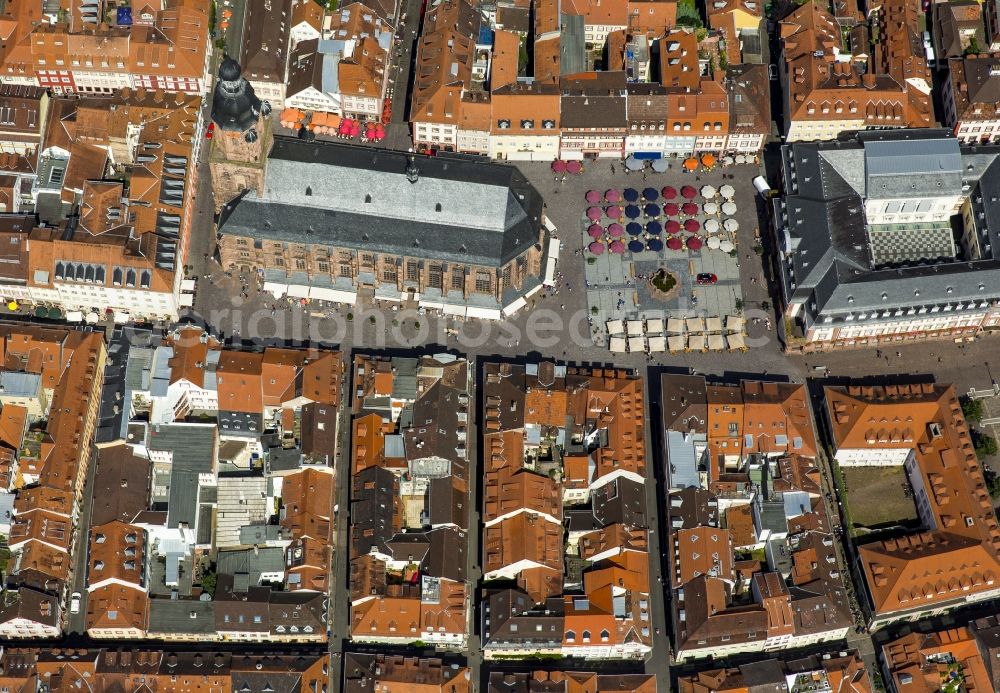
x=708, y=192
x=740, y=159
x=731, y=225
x=727, y=191
x=633, y=164
x=711, y=208
x=729, y=208
x=713, y=242
x=727, y=246
x=661, y=165
x=712, y=225
x=727, y=161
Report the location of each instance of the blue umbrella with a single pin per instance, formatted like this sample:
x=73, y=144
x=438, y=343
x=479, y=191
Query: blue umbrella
x=633, y=228
x=652, y=210
x=654, y=228
x=630, y=194
x=655, y=244
x=635, y=246
x=651, y=194
x=632, y=212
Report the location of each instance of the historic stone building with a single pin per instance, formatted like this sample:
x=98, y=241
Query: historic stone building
x=242, y=135
x=333, y=222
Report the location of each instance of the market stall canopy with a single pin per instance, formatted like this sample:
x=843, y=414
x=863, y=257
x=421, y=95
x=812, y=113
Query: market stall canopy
x=696, y=342
x=617, y=345
x=676, y=343
x=694, y=325
x=654, y=326
x=675, y=326
x=636, y=344
x=713, y=324
x=736, y=342
x=615, y=327
x=734, y=323
x=634, y=328
x=716, y=342
x=657, y=344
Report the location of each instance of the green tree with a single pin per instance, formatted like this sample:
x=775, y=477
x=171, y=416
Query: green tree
x=986, y=446
x=972, y=409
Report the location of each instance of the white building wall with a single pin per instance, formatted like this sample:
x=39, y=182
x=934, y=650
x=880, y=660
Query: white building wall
x=872, y=457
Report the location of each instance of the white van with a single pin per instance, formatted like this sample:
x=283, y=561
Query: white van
x=760, y=183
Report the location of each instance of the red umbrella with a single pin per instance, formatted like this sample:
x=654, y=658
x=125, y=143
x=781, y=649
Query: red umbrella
x=370, y=133
x=596, y=248
x=669, y=193
x=671, y=209
x=673, y=226
x=616, y=230
x=559, y=166
x=614, y=212
x=345, y=127
x=595, y=231
x=694, y=243
x=380, y=129
x=613, y=196
x=594, y=213
x=674, y=243
x=617, y=247
x=689, y=208
x=691, y=225
x=574, y=166
x=688, y=193
x=593, y=197
x=355, y=129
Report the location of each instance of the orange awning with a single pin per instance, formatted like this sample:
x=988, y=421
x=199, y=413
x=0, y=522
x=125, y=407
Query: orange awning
x=691, y=164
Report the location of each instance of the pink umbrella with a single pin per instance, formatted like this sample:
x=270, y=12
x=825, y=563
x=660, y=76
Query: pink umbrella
x=345, y=127
x=617, y=247
x=674, y=243
x=669, y=193
x=691, y=225
x=616, y=230
x=671, y=209
x=673, y=226
x=613, y=196
x=688, y=193
x=694, y=243
x=370, y=133
x=593, y=197
x=689, y=208
x=559, y=166
x=614, y=212
x=355, y=129
x=595, y=231
x=596, y=248
x=594, y=213
x=574, y=166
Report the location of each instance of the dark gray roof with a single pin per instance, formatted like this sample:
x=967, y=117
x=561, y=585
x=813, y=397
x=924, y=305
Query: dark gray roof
x=181, y=616
x=596, y=100
x=457, y=210
x=446, y=557
x=620, y=501
x=235, y=105
x=193, y=449
x=372, y=509
x=912, y=168
x=251, y=561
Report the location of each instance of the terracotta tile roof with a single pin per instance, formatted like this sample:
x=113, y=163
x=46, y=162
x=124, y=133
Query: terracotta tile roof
x=739, y=522
x=506, y=49
x=443, y=68
x=239, y=376
x=115, y=607
x=919, y=662
x=960, y=556
x=116, y=554
x=191, y=346
x=524, y=538
x=701, y=551
x=679, y=60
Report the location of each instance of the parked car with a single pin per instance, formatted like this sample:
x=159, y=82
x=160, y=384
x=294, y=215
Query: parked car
x=706, y=278
x=74, y=603
x=210, y=131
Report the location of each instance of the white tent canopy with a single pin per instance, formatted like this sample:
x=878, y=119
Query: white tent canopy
x=734, y=323
x=657, y=344
x=616, y=327
x=617, y=345
x=636, y=344
x=716, y=342
x=654, y=326
x=736, y=341
x=696, y=342
x=634, y=328
x=713, y=324
x=676, y=343
x=694, y=325
x=675, y=326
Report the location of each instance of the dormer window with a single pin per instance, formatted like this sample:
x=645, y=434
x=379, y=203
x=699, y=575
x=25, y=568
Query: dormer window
x=527, y=124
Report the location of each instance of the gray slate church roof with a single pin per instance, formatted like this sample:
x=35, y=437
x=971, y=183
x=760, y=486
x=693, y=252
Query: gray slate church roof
x=458, y=209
